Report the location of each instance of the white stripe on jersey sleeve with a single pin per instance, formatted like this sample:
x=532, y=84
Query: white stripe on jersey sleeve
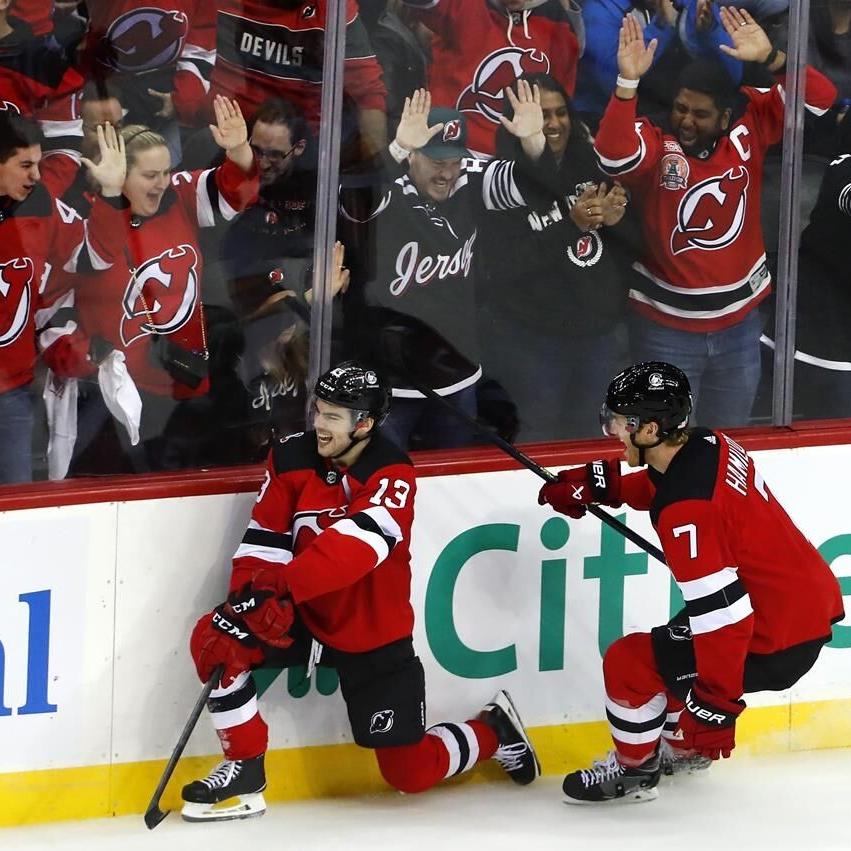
x=206, y=218
x=694, y=589
x=499, y=190
x=719, y=618
x=382, y=541
x=275, y=555
x=627, y=163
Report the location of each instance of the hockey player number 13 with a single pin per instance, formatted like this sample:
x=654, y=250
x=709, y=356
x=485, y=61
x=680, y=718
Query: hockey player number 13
x=399, y=497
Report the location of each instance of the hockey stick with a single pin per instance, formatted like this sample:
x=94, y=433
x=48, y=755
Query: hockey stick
x=154, y=815
x=393, y=361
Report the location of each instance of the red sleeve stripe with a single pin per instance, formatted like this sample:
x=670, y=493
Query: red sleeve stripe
x=627, y=163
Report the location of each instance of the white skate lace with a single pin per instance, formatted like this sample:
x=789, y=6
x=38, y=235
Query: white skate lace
x=510, y=757
x=602, y=770
x=222, y=774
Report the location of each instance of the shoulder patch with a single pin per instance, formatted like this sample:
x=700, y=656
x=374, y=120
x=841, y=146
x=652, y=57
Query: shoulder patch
x=691, y=475
x=381, y=452
x=296, y=452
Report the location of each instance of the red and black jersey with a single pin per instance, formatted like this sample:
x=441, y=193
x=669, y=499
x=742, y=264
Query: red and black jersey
x=37, y=13
x=37, y=82
x=265, y=50
x=140, y=37
x=751, y=581
x=37, y=237
x=704, y=264
x=142, y=276
x=341, y=537
x=479, y=49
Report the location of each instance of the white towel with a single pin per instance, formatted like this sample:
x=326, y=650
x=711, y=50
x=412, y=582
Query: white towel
x=120, y=394
x=60, y=402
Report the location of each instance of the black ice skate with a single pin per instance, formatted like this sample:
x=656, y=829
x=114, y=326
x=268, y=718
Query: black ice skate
x=214, y=797
x=679, y=762
x=515, y=752
x=607, y=780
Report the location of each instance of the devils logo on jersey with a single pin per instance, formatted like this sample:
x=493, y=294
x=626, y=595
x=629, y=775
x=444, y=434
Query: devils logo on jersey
x=16, y=277
x=496, y=72
x=145, y=38
x=308, y=524
x=711, y=214
x=8, y=106
x=587, y=250
x=161, y=295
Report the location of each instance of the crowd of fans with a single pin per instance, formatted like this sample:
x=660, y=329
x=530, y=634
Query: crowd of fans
x=533, y=193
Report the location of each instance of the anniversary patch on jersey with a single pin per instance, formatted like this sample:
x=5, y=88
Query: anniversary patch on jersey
x=673, y=171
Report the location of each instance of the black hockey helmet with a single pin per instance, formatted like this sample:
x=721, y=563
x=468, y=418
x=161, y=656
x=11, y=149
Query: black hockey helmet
x=355, y=386
x=653, y=390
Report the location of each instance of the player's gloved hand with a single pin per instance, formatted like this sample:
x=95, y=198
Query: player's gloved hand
x=220, y=639
x=708, y=724
x=257, y=603
x=597, y=482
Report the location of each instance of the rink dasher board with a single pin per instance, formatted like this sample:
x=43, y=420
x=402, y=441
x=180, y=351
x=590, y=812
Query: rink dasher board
x=98, y=601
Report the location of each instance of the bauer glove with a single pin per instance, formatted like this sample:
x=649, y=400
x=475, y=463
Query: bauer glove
x=708, y=724
x=596, y=483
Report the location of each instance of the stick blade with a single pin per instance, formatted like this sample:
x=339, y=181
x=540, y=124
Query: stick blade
x=153, y=816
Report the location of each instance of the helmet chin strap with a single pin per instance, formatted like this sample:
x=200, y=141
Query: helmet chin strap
x=642, y=461
x=352, y=441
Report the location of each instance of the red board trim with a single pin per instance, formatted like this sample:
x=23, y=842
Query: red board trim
x=482, y=459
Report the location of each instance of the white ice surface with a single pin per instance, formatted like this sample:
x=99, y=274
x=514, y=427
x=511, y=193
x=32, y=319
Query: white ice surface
x=798, y=801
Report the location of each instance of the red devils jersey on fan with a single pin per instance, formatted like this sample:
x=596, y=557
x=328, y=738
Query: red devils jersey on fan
x=704, y=264
x=37, y=237
x=134, y=37
x=264, y=50
x=341, y=539
x=36, y=81
x=478, y=50
x=751, y=581
x=143, y=276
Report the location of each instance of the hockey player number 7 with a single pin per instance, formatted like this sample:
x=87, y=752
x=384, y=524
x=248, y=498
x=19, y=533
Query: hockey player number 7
x=691, y=530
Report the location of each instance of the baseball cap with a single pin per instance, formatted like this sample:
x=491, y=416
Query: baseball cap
x=451, y=141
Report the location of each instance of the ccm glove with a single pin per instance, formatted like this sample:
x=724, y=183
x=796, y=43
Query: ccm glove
x=597, y=482
x=708, y=724
x=220, y=639
x=257, y=605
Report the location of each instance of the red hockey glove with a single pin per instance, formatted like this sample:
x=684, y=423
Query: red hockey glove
x=268, y=618
x=218, y=640
x=597, y=482
x=708, y=724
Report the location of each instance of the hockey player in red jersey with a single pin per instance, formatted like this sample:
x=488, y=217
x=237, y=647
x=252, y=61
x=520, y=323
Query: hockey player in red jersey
x=760, y=600
x=325, y=568
x=697, y=184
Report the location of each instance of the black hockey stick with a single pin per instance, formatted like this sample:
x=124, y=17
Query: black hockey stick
x=154, y=815
x=392, y=359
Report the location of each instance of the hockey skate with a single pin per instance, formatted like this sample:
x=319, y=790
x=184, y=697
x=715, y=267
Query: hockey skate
x=214, y=797
x=515, y=752
x=680, y=762
x=608, y=780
